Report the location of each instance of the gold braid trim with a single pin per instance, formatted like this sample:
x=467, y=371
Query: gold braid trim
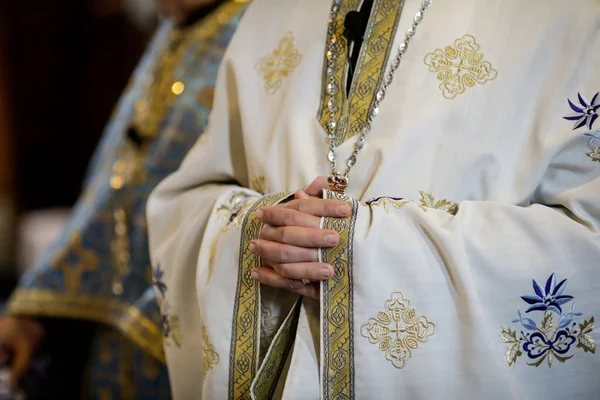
x=337, y=304
x=126, y=318
x=243, y=361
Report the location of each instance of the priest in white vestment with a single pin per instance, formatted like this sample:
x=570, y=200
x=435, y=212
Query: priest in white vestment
x=462, y=260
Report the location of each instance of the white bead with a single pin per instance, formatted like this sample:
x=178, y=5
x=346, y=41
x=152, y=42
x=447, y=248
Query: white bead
x=359, y=144
x=426, y=3
x=402, y=47
x=331, y=88
x=380, y=95
x=331, y=105
x=375, y=112
x=395, y=63
x=365, y=129
x=418, y=17
x=331, y=156
x=351, y=161
x=331, y=123
x=388, y=79
x=410, y=32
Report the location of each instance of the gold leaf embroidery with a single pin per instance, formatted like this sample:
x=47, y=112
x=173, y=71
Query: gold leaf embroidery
x=594, y=154
x=584, y=340
x=279, y=64
x=460, y=66
x=210, y=357
x=398, y=330
x=513, y=350
x=428, y=201
x=234, y=209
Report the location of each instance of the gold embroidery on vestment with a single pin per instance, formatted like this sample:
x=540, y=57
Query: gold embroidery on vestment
x=338, y=307
x=428, y=201
x=270, y=371
x=279, y=64
x=234, y=210
x=74, y=260
x=398, y=330
x=387, y=203
x=351, y=111
x=210, y=357
x=244, y=352
x=125, y=318
x=460, y=66
x=594, y=154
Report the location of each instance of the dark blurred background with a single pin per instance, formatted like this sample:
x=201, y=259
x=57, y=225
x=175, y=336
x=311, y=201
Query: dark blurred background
x=63, y=65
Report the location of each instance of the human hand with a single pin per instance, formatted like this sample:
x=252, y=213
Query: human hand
x=290, y=238
x=19, y=337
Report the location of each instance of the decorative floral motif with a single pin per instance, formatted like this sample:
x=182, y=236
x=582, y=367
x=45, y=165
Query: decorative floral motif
x=169, y=321
x=387, y=202
x=234, y=210
x=210, y=357
x=279, y=64
x=586, y=113
x=398, y=330
x=428, y=201
x=460, y=66
x=594, y=154
x=556, y=333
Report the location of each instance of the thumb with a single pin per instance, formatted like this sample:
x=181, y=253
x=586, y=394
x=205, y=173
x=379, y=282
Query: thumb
x=20, y=362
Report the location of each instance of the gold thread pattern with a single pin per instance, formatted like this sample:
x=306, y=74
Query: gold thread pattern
x=594, y=154
x=398, y=330
x=351, y=114
x=338, y=307
x=210, y=357
x=427, y=201
x=246, y=318
x=127, y=319
x=162, y=91
x=270, y=372
x=460, y=66
x=279, y=64
x=74, y=260
x=268, y=327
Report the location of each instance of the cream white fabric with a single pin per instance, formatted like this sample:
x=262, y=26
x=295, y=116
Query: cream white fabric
x=528, y=198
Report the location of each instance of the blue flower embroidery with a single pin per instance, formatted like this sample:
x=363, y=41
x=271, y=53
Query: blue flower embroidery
x=586, y=113
x=548, y=298
x=594, y=136
x=169, y=322
x=552, y=337
x=157, y=280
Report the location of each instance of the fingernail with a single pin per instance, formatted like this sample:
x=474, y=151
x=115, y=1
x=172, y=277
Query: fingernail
x=331, y=238
x=252, y=246
x=326, y=272
x=254, y=274
x=343, y=210
x=259, y=214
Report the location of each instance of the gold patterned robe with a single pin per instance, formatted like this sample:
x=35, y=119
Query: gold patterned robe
x=475, y=200
x=99, y=269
